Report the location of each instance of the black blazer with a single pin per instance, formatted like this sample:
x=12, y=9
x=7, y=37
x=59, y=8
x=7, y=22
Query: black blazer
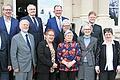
x=97, y=32
x=101, y=56
x=44, y=57
x=4, y=52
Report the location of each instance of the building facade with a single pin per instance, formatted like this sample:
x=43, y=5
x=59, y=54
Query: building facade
x=76, y=10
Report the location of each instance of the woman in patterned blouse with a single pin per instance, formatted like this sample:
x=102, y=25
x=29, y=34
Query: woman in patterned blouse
x=68, y=57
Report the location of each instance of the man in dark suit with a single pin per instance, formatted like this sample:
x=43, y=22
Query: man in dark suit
x=97, y=29
x=36, y=27
x=55, y=23
x=9, y=25
x=5, y=62
x=22, y=53
x=108, y=57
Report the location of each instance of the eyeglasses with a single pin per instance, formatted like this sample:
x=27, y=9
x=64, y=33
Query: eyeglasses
x=51, y=35
x=8, y=9
x=32, y=9
x=87, y=29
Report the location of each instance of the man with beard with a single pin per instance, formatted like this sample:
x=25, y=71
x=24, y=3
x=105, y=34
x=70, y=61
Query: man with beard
x=22, y=52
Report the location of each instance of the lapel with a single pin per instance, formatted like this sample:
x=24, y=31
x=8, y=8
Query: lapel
x=31, y=40
x=47, y=48
x=4, y=26
x=91, y=42
x=114, y=50
x=12, y=25
x=3, y=41
x=22, y=40
x=32, y=27
x=55, y=24
x=82, y=44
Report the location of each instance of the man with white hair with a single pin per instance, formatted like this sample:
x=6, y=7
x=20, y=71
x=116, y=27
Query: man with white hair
x=22, y=52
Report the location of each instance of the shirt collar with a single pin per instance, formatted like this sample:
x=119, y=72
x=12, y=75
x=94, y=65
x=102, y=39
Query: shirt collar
x=5, y=18
x=104, y=43
x=57, y=17
x=23, y=33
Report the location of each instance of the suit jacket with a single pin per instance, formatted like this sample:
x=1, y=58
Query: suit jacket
x=14, y=27
x=101, y=56
x=89, y=51
x=4, y=52
x=52, y=24
x=21, y=56
x=38, y=34
x=44, y=57
x=97, y=32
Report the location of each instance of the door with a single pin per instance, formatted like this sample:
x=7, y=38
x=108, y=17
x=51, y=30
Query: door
x=21, y=7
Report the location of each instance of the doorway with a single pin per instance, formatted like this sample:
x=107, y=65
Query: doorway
x=21, y=6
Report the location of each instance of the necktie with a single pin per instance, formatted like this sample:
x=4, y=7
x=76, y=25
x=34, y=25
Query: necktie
x=35, y=23
x=59, y=26
x=28, y=43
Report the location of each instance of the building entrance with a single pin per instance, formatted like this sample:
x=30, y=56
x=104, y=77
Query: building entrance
x=21, y=6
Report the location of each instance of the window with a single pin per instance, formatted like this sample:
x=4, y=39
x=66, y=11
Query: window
x=45, y=9
x=114, y=10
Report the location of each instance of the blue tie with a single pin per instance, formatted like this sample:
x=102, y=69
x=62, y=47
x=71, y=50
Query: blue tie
x=59, y=24
x=35, y=23
x=28, y=43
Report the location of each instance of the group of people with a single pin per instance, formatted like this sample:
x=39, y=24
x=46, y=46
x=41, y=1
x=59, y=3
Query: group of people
x=58, y=53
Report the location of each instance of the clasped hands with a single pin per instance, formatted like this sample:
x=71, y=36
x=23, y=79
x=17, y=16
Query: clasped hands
x=54, y=65
x=68, y=64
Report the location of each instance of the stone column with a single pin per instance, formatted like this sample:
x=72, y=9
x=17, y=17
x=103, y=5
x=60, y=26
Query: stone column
x=67, y=8
x=1, y=4
x=76, y=14
x=81, y=13
x=103, y=14
x=85, y=8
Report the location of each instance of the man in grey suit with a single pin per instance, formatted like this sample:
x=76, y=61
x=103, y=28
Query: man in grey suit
x=22, y=52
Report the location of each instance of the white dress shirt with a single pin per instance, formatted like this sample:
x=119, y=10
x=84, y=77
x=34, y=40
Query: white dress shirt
x=109, y=56
x=35, y=20
x=8, y=25
x=24, y=36
x=59, y=22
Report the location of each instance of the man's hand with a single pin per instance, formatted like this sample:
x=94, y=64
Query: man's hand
x=97, y=69
x=118, y=69
x=54, y=65
x=16, y=70
x=64, y=62
x=9, y=68
x=70, y=64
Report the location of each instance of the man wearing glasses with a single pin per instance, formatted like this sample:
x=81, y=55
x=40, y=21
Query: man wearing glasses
x=9, y=25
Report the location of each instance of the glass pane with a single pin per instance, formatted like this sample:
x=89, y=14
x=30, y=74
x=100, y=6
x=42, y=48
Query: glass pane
x=113, y=10
x=46, y=8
